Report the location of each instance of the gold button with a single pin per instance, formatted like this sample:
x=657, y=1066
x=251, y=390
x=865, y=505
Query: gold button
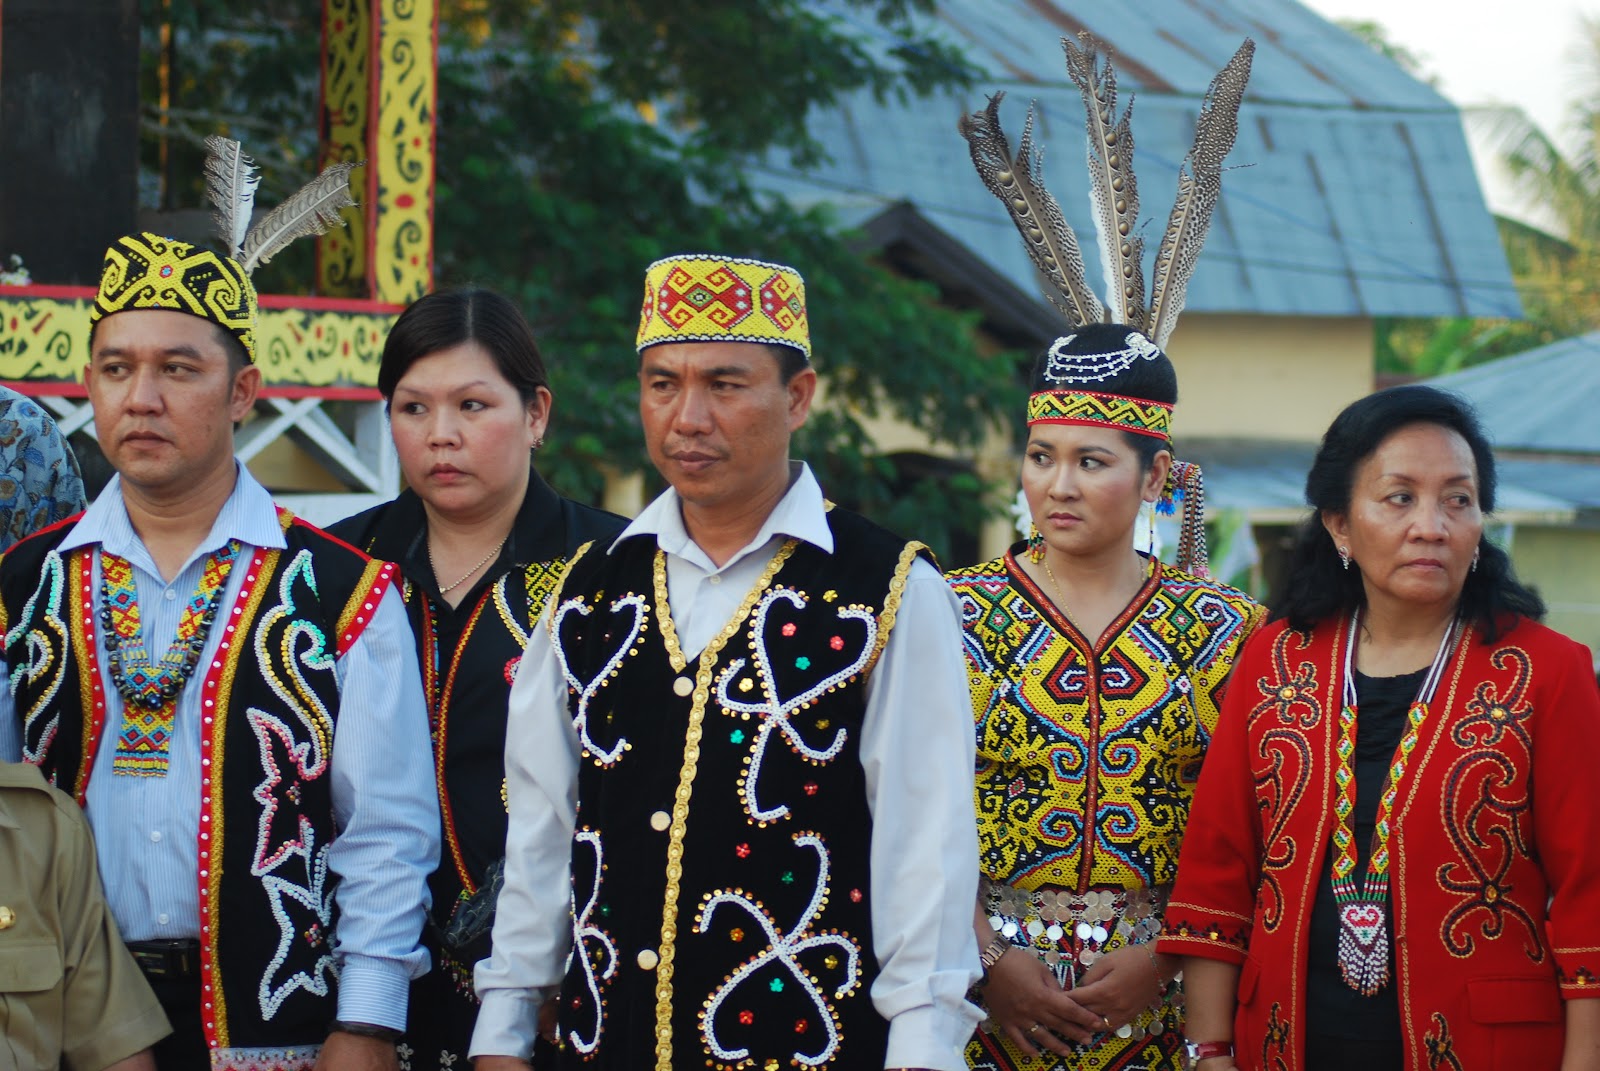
x=683, y=686
x=648, y=959
x=660, y=821
x=8, y=918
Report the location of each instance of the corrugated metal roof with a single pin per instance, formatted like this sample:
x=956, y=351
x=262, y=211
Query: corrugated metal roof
x=1541, y=400
x=1351, y=192
x=1267, y=480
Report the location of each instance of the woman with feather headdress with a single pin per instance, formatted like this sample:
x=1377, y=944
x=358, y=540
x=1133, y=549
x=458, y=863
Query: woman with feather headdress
x=1095, y=670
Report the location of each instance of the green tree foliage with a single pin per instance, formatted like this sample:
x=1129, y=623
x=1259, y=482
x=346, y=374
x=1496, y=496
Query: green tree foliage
x=581, y=139
x=1555, y=269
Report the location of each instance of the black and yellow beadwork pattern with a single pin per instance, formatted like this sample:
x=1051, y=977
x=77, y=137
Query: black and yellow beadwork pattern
x=147, y=271
x=1105, y=410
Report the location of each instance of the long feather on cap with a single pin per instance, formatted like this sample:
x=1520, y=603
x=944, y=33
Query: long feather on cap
x=311, y=211
x=231, y=181
x=1199, y=187
x=1045, y=232
x=1113, y=189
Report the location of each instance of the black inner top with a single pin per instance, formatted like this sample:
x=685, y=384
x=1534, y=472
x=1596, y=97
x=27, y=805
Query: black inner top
x=1332, y=1007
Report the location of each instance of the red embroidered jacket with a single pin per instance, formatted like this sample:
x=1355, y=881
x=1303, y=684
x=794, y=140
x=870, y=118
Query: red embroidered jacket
x=1496, y=849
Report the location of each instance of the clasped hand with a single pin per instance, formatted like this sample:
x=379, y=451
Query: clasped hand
x=1029, y=1006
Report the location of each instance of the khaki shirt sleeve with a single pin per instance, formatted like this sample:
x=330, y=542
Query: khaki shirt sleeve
x=109, y=1011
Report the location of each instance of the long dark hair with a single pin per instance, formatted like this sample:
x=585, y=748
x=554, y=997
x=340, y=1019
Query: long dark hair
x=448, y=318
x=1318, y=588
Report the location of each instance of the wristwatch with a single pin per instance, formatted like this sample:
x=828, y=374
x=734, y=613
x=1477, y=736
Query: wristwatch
x=1205, y=1050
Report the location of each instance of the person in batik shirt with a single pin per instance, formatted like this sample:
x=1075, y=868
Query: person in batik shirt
x=39, y=479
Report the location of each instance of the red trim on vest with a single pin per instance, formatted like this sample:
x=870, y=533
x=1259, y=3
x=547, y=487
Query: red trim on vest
x=91, y=659
x=381, y=580
x=211, y=744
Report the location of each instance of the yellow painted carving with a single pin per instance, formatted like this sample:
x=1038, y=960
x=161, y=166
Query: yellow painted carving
x=403, y=153
x=46, y=340
x=346, y=96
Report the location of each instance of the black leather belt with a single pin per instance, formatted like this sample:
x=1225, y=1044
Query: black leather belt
x=167, y=959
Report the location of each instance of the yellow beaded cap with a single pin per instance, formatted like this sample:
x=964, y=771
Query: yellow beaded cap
x=703, y=298
x=147, y=271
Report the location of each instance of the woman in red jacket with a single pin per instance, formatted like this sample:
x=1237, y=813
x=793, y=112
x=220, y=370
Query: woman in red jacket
x=1392, y=857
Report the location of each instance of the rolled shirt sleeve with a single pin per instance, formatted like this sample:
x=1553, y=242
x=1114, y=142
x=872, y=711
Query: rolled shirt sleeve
x=918, y=750
x=532, y=930
x=386, y=803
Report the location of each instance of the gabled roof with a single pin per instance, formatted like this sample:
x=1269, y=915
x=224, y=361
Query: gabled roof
x=1541, y=401
x=1351, y=192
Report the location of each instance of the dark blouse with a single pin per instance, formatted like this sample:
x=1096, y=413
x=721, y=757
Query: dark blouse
x=1333, y=1009
x=469, y=654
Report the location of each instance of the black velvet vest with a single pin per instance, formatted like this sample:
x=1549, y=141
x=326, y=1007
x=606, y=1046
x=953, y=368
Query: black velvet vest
x=268, y=716
x=722, y=896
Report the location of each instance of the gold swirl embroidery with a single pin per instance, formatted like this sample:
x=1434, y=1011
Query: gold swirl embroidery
x=891, y=605
x=691, y=762
x=559, y=586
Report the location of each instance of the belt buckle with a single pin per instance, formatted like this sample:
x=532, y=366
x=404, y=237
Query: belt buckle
x=170, y=960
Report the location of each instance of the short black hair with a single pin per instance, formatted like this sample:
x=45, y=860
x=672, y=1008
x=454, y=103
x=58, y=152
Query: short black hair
x=791, y=361
x=1317, y=587
x=238, y=358
x=446, y=319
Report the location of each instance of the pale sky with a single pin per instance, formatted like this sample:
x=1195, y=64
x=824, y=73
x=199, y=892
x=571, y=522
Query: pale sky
x=1488, y=52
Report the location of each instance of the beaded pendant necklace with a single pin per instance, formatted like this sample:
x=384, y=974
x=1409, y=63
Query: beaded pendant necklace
x=150, y=689
x=1363, y=920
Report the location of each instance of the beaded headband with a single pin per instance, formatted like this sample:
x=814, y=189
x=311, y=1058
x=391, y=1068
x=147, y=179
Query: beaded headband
x=1102, y=410
x=703, y=298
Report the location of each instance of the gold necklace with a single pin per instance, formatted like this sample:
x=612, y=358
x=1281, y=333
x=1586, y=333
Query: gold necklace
x=491, y=556
x=1061, y=598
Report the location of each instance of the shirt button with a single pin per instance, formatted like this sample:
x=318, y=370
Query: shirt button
x=648, y=959
x=162, y=918
x=683, y=686
x=155, y=836
x=714, y=578
x=171, y=594
x=660, y=821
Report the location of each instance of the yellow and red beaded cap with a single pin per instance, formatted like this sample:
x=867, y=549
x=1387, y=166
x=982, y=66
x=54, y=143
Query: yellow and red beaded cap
x=699, y=297
x=147, y=271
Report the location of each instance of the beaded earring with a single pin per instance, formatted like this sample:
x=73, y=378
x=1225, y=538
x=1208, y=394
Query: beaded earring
x=1344, y=557
x=1476, y=551
x=1035, y=544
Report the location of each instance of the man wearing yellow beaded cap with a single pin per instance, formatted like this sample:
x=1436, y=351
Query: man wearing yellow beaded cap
x=740, y=746
x=230, y=693
x=147, y=271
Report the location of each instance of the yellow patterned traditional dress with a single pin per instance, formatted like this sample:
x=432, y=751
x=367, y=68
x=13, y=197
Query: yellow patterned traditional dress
x=1087, y=761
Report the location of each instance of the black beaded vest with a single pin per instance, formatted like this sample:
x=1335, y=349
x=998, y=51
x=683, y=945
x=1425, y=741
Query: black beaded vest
x=722, y=900
x=270, y=704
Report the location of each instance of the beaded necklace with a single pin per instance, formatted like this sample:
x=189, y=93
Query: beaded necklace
x=149, y=689
x=1363, y=920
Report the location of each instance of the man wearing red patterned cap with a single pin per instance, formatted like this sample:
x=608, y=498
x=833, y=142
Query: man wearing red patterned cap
x=740, y=746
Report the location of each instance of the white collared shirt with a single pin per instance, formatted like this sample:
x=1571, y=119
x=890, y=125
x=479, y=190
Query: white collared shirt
x=917, y=751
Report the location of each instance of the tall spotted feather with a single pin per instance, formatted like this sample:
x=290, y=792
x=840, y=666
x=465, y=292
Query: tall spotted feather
x=313, y=210
x=1199, y=188
x=1113, y=189
x=1046, y=235
x=231, y=181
